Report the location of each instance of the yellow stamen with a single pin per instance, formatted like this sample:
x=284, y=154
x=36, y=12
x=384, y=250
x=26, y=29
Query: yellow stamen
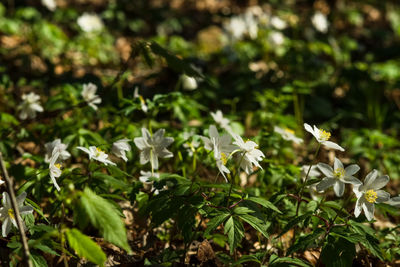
x=99, y=150
x=224, y=158
x=11, y=213
x=141, y=99
x=57, y=165
x=324, y=135
x=371, y=196
x=338, y=173
x=289, y=131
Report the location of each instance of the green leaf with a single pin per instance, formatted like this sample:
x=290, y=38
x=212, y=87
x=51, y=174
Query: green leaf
x=105, y=217
x=85, y=247
x=265, y=203
x=256, y=223
x=275, y=261
x=215, y=222
x=234, y=229
x=38, y=260
x=294, y=222
x=370, y=242
x=115, y=183
x=338, y=252
x=304, y=242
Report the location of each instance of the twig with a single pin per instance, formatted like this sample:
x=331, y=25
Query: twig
x=9, y=183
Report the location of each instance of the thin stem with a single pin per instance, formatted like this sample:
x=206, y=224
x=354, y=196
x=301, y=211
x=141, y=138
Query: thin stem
x=306, y=179
x=9, y=183
x=233, y=179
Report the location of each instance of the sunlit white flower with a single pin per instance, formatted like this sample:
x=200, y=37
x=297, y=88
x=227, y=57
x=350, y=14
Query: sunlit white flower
x=145, y=176
x=153, y=147
x=7, y=214
x=369, y=193
x=320, y=22
x=249, y=155
x=89, y=95
x=322, y=137
x=251, y=25
x=29, y=106
x=142, y=101
x=90, y=22
x=220, y=119
x=188, y=83
x=55, y=169
x=97, y=154
x=236, y=27
x=50, y=4
x=120, y=147
x=288, y=135
x=337, y=176
x=56, y=147
x=276, y=38
x=278, y=23
x=191, y=145
x=221, y=146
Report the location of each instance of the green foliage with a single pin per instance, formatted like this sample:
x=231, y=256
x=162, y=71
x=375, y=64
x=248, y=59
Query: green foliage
x=85, y=247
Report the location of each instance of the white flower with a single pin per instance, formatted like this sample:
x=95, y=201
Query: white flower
x=278, y=23
x=145, y=176
x=276, y=38
x=120, y=147
x=188, y=83
x=248, y=155
x=55, y=169
x=322, y=137
x=89, y=95
x=29, y=106
x=369, y=193
x=50, y=4
x=320, y=22
x=337, y=176
x=97, y=154
x=221, y=146
x=142, y=102
x=220, y=120
x=153, y=147
x=90, y=22
x=288, y=135
x=7, y=214
x=251, y=25
x=56, y=146
x=236, y=27
x=394, y=201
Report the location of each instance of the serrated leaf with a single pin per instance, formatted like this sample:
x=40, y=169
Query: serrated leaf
x=234, y=228
x=38, y=260
x=85, y=247
x=215, y=222
x=294, y=222
x=304, y=242
x=265, y=203
x=256, y=223
x=275, y=261
x=105, y=217
x=115, y=183
x=338, y=252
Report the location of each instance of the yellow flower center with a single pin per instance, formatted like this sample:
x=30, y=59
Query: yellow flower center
x=338, y=173
x=11, y=213
x=224, y=158
x=371, y=196
x=324, y=135
x=142, y=99
x=290, y=131
x=98, y=152
x=57, y=165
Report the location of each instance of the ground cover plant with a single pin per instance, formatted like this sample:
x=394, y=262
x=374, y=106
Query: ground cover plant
x=199, y=133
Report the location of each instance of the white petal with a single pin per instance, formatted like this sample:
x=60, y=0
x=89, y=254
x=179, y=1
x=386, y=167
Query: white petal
x=21, y=199
x=332, y=145
x=352, y=169
x=338, y=188
x=6, y=227
x=382, y=196
x=325, y=183
x=25, y=210
x=369, y=180
x=351, y=180
x=380, y=182
x=140, y=142
x=325, y=169
x=358, y=207
x=337, y=164
x=369, y=209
